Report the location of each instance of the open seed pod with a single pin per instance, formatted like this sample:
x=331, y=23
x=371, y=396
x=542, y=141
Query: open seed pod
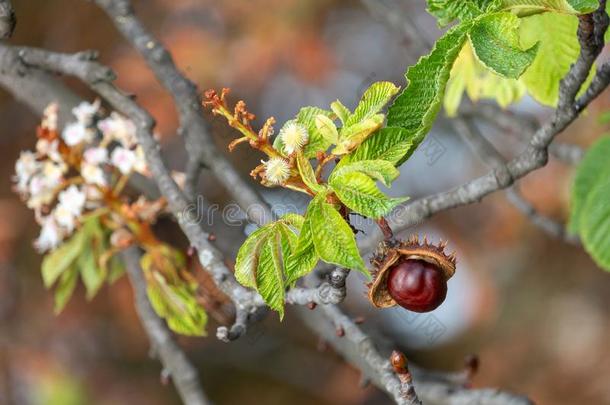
x=421, y=270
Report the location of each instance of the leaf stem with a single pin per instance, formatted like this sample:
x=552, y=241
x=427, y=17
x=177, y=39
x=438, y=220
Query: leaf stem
x=383, y=224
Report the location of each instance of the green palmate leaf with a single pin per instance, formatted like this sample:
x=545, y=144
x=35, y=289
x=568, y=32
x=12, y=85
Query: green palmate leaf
x=177, y=304
x=372, y=102
x=269, y=275
x=65, y=288
x=390, y=144
x=248, y=256
x=592, y=171
x=263, y=258
x=351, y=137
x=332, y=236
x=529, y=7
x=358, y=192
x=559, y=49
x=341, y=111
x=470, y=76
x=495, y=41
x=304, y=258
x=326, y=127
x=381, y=170
x=417, y=106
x=59, y=260
x=595, y=223
x=307, y=173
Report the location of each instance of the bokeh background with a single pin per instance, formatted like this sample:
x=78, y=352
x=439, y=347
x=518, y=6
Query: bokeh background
x=535, y=309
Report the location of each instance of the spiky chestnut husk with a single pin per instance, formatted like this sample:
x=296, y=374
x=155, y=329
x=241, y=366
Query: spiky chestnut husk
x=410, y=274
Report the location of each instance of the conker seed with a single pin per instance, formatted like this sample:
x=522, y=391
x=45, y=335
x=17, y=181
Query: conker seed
x=417, y=285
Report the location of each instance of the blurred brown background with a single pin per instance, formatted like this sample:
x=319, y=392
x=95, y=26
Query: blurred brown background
x=535, y=309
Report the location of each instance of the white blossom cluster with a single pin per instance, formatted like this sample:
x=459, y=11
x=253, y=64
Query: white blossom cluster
x=69, y=173
x=294, y=137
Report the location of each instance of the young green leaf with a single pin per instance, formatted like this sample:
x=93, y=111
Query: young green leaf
x=307, y=173
x=495, y=41
x=65, y=288
x=60, y=259
x=559, y=49
x=91, y=273
x=326, y=127
x=248, y=256
x=351, y=137
x=358, y=192
x=417, y=106
x=529, y=7
x=304, y=257
x=341, y=111
x=470, y=76
x=390, y=144
x=332, y=236
x=114, y=268
x=269, y=275
x=317, y=142
x=446, y=11
x=595, y=223
x=176, y=304
x=263, y=258
x=294, y=220
x=593, y=170
x=372, y=102
x=381, y=170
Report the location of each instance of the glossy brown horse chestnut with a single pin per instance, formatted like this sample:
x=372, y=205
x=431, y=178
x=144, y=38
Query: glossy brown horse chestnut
x=411, y=274
x=417, y=285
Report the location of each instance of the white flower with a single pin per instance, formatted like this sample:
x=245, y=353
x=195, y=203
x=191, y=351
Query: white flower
x=50, y=235
x=53, y=172
x=25, y=168
x=37, y=185
x=46, y=148
x=93, y=195
x=49, y=117
x=277, y=170
x=84, y=112
x=64, y=217
x=118, y=128
x=294, y=136
x=123, y=159
x=75, y=133
x=96, y=156
x=93, y=174
x=73, y=200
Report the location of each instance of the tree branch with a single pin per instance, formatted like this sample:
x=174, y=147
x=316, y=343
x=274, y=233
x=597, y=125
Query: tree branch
x=522, y=126
x=490, y=156
x=174, y=360
x=7, y=19
x=358, y=349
